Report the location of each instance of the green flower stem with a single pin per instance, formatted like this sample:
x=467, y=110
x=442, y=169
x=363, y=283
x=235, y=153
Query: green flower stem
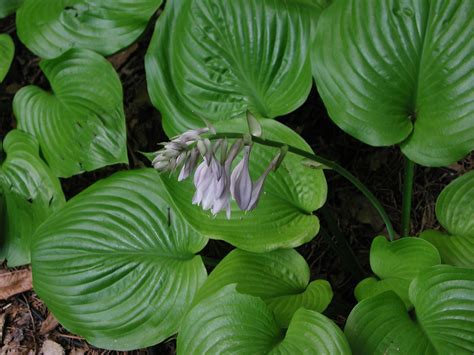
x=407, y=196
x=341, y=246
x=327, y=163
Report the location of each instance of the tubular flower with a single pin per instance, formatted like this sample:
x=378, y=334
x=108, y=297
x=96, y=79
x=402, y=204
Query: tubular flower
x=213, y=179
x=245, y=192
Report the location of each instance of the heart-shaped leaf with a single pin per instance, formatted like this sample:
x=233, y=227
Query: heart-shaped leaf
x=30, y=194
x=81, y=125
x=396, y=264
x=100, y=25
x=280, y=278
x=117, y=264
x=455, y=212
x=219, y=59
x=283, y=217
x=7, y=51
x=8, y=7
x=400, y=72
x=229, y=322
x=442, y=322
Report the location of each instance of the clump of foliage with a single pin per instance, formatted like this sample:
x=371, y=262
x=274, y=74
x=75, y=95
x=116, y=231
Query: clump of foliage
x=120, y=263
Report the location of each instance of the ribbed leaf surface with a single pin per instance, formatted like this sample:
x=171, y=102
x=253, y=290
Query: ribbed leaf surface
x=217, y=59
x=455, y=212
x=441, y=323
x=229, y=322
x=81, y=124
x=7, y=51
x=400, y=72
x=395, y=265
x=281, y=278
x=8, y=7
x=117, y=265
x=103, y=26
x=29, y=192
x=283, y=218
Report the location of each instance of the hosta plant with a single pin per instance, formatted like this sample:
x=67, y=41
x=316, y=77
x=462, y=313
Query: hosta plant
x=100, y=25
x=400, y=72
x=441, y=322
x=29, y=192
x=7, y=51
x=126, y=262
x=220, y=59
x=395, y=264
x=80, y=126
x=455, y=212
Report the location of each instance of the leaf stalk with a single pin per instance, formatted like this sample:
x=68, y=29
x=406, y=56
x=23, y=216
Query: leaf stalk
x=409, y=172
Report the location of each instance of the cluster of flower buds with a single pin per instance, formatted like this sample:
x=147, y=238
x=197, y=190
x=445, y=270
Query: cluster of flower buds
x=214, y=180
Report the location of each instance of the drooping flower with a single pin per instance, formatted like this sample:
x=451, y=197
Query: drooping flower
x=214, y=182
x=245, y=192
x=241, y=183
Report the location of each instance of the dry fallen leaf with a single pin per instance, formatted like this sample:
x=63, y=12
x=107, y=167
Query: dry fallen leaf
x=119, y=59
x=48, y=324
x=77, y=351
x=12, y=283
x=51, y=348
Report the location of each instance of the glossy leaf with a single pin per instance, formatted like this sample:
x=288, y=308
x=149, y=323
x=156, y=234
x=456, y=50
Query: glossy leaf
x=442, y=322
x=280, y=278
x=81, y=124
x=7, y=51
x=395, y=265
x=117, y=265
x=219, y=59
x=30, y=194
x=400, y=72
x=229, y=322
x=455, y=212
x=283, y=217
x=8, y=7
x=100, y=25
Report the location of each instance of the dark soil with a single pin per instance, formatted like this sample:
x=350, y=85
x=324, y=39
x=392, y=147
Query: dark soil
x=381, y=169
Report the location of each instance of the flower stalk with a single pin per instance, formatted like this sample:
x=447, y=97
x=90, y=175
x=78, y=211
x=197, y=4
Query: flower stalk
x=214, y=185
x=213, y=179
x=327, y=163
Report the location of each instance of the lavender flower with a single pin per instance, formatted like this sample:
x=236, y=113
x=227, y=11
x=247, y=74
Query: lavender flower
x=175, y=152
x=215, y=184
x=243, y=190
x=212, y=179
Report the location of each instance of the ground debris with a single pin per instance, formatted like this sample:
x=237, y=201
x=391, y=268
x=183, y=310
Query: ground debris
x=51, y=348
x=14, y=282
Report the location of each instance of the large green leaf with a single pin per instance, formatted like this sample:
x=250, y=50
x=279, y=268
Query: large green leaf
x=30, y=194
x=217, y=59
x=280, y=278
x=442, y=322
x=103, y=26
x=400, y=71
x=232, y=323
x=81, y=124
x=117, y=265
x=8, y=7
x=283, y=218
x=7, y=51
x=395, y=265
x=455, y=212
